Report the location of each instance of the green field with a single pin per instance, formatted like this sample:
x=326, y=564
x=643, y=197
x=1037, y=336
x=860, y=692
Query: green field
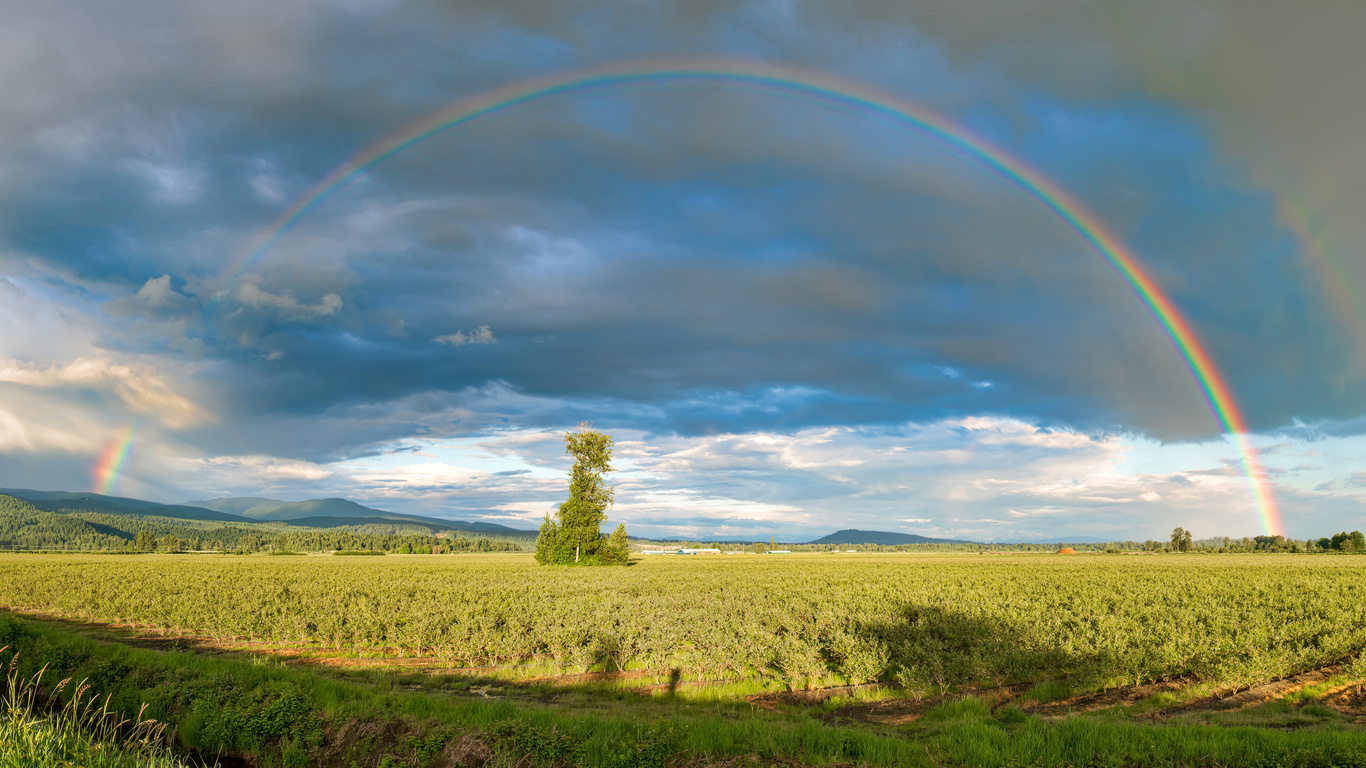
x=1130, y=649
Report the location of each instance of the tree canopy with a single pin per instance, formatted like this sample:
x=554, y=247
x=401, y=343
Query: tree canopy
x=574, y=535
x=1181, y=540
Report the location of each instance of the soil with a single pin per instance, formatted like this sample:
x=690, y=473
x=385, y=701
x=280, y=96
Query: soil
x=1092, y=702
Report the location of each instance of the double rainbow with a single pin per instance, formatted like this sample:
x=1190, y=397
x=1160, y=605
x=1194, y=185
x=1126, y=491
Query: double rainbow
x=848, y=94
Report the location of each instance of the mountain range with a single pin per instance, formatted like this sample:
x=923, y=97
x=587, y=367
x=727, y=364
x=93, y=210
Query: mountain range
x=66, y=501
x=334, y=512
x=314, y=513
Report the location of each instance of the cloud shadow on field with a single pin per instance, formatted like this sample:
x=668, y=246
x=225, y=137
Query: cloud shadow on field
x=931, y=650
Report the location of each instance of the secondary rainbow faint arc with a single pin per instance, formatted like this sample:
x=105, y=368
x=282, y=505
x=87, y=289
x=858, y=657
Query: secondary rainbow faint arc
x=839, y=91
x=110, y=463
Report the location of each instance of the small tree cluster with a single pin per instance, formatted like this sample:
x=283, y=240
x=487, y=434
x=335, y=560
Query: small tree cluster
x=1345, y=542
x=574, y=535
x=1181, y=540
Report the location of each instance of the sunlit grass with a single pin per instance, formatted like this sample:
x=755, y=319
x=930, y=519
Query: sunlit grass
x=1048, y=690
x=84, y=732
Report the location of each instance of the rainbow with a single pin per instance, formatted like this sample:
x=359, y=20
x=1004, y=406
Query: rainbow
x=842, y=93
x=111, y=460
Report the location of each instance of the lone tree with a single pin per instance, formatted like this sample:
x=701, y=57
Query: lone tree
x=1181, y=540
x=574, y=535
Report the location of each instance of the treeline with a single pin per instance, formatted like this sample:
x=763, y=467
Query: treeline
x=1182, y=541
x=1341, y=542
x=402, y=544
x=761, y=547
x=234, y=539
x=24, y=526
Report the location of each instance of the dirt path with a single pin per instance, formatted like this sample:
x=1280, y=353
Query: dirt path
x=1261, y=694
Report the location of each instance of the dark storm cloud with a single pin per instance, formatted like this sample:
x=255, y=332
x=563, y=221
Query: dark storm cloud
x=655, y=283
x=697, y=259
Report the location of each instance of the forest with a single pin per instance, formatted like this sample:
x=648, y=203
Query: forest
x=24, y=526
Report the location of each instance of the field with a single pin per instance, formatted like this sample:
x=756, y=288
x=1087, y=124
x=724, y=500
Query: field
x=883, y=644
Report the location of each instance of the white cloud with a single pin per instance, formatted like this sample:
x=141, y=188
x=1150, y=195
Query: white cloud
x=252, y=295
x=699, y=503
x=480, y=335
x=264, y=473
x=139, y=387
x=157, y=292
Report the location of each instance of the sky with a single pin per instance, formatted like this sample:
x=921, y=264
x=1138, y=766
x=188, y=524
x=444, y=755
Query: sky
x=794, y=315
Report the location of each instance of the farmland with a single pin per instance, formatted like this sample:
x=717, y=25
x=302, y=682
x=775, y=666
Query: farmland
x=936, y=631
x=926, y=623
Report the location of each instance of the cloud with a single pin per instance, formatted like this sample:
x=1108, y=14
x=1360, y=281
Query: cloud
x=13, y=436
x=252, y=295
x=157, y=292
x=268, y=473
x=861, y=256
x=137, y=387
x=480, y=335
x=763, y=291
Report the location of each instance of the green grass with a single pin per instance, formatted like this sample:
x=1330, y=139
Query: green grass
x=1103, y=742
x=1048, y=690
x=83, y=732
x=256, y=706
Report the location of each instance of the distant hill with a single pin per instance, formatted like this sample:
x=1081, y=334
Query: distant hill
x=392, y=522
x=75, y=521
x=274, y=509
x=236, y=506
x=882, y=538
x=314, y=508
x=338, y=513
x=25, y=526
x=90, y=521
x=395, y=523
x=66, y=501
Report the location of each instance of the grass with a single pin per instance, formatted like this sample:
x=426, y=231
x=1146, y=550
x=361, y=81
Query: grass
x=83, y=732
x=257, y=707
x=1097, y=742
x=1048, y=690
